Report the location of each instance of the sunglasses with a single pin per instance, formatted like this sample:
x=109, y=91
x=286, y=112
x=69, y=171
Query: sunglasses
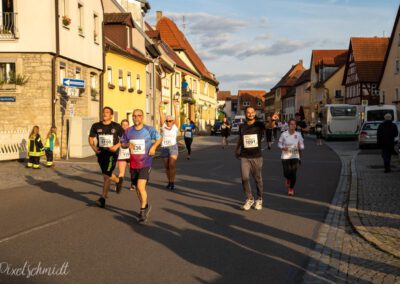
x=169, y=121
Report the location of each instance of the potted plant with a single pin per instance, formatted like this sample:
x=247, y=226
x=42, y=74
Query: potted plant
x=130, y=90
x=122, y=88
x=95, y=35
x=66, y=21
x=111, y=86
x=139, y=91
x=80, y=29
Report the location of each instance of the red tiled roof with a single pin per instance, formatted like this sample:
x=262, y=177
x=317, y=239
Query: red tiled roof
x=255, y=93
x=369, y=55
x=171, y=34
x=332, y=57
x=224, y=95
x=290, y=78
x=178, y=61
x=305, y=77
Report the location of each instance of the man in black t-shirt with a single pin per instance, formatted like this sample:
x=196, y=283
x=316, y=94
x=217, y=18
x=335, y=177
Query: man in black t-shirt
x=301, y=124
x=107, y=134
x=248, y=150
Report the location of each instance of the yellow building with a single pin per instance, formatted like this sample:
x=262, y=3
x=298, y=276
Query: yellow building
x=124, y=81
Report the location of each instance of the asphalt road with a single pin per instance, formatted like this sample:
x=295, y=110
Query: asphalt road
x=196, y=234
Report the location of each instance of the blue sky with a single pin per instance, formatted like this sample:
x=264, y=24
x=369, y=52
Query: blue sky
x=251, y=44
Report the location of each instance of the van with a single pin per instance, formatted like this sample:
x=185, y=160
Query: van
x=377, y=113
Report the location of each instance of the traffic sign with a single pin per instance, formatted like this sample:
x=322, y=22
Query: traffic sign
x=74, y=83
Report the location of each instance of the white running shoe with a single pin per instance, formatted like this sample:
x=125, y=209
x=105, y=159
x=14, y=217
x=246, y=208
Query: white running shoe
x=247, y=205
x=258, y=204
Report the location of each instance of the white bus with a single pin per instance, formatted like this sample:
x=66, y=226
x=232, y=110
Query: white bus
x=377, y=113
x=340, y=121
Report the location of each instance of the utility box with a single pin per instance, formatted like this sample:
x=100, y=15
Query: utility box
x=79, y=129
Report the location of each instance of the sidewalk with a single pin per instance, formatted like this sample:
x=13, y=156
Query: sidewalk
x=15, y=174
x=374, y=204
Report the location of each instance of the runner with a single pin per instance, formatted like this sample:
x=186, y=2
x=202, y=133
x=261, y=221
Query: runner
x=291, y=142
x=318, y=132
x=35, y=148
x=49, y=145
x=225, y=132
x=187, y=130
x=301, y=124
x=123, y=159
x=169, y=144
x=248, y=150
x=108, y=134
x=142, y=141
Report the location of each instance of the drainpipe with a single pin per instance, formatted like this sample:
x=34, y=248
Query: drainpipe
x=53, y=68
x=101, y=77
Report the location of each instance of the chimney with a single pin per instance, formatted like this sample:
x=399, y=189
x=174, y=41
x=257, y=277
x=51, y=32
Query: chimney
x=158, y=16
x=301, y=62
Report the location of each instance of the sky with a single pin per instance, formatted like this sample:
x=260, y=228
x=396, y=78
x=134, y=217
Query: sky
x=252, y=44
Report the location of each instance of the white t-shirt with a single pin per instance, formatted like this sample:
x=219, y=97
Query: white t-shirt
x=169, y=135
x=294, y=143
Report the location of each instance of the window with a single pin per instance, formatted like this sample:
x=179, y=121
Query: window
x=259, y=103
x=129, y=80
x=374, y=90
x=138, y=82
x=109, y=75
x=191, y=84
x=246, y=103
x=398, y=37
x=64, y=7
x=7, y=72
x=128, y=37
x=62, y=72
x=147, y=104
x=120, y=78
x=343, y=111
x=206, y=88
x=338, y=94
x=93, y=81
x=80, y=18
x=194, y=86
x=77, y=73
x=397, y=66
x=149, y=80
x=177, y=80
x=95, y=28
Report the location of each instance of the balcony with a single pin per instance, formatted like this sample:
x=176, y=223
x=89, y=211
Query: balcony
x=8, y=26
x=187, y=96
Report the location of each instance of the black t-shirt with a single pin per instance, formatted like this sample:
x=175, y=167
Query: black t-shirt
x=107, y=135
x=301, y=125
x=250, y=136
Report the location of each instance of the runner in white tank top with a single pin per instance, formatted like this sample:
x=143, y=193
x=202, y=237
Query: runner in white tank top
x=169, y=144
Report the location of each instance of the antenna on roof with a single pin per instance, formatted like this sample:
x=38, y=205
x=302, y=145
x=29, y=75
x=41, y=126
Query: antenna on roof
x=183, y=24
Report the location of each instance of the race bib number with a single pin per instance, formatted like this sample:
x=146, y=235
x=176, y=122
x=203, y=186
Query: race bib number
x=319, y=129
x=139, y=147
x=250, y=141
x=106, y=141
x=188, y=134
x=124, y=154
x=168, y=141
x=293, y=150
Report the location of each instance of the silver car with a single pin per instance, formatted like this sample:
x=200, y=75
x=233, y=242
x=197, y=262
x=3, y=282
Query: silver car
x=367, y=135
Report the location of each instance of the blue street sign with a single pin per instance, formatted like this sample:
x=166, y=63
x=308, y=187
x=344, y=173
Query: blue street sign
x=73, y=83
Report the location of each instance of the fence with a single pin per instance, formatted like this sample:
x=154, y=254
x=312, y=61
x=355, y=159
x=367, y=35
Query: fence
x=13, y=144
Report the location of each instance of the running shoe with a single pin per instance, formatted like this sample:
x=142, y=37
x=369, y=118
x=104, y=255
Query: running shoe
x=247, y=205
x=119, y=185
x=101, y=202
x=172, y=186
x=188, y=157
x=168, y=186
x=133, y=187
x=291, y=191
x=144, y=214
x=258, y=204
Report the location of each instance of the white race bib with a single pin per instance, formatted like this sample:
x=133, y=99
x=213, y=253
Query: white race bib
x=250, y=141
x=168, y=141
x=188, y=134
x=139, y=146
x=124, y=154
x=106, y=141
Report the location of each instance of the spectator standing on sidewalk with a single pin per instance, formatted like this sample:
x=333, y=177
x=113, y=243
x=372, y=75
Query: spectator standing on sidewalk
x=49, y=145
x=387, y=131
x=248, y=150
x=225, y=132
x=35, y=148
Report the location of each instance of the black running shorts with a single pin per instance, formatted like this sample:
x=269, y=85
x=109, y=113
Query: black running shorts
x=137, y=174
x=107, y=162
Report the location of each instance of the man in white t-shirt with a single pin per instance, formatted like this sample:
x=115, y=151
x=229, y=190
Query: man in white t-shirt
x=291, y=142
x=169, y=145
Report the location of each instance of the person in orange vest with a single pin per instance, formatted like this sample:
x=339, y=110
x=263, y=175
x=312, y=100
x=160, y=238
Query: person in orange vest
x=35, y=148
x=49, y=145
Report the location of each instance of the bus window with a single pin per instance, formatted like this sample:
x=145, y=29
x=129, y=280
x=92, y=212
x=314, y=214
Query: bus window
x=343, y=111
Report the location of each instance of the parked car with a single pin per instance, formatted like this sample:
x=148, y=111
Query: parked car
x=367, y=135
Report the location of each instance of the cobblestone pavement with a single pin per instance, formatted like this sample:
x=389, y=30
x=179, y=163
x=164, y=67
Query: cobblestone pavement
x=341, y=255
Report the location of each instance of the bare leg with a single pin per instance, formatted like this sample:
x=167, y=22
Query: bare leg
x=122, y=168
x=172, y=168
x=167, y=168
x=106, y=185
x=142, y=194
